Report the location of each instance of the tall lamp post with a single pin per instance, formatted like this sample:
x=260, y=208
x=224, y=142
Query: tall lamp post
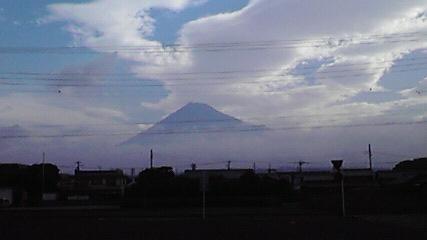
x=340, y=178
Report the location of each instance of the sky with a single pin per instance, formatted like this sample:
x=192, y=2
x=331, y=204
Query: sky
x=356, y=67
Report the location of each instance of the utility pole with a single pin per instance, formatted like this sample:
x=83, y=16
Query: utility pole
x=254, y=167
x=132, y=173
x=43, y=161
x=228, y=165
x=300, y=164
x=78, y=166
x=204, y=186
x=340, y=177
x=151, y=158
x=370, y=156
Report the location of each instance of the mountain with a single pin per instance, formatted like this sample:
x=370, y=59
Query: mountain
x=13, y=136
x=190, y=120
x=13, y=131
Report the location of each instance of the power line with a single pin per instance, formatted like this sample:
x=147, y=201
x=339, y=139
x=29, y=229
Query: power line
x=217, y=47
x=258, y=82
x=225, y=72
x=208, y=121
x=223, y=130
x=198, y=78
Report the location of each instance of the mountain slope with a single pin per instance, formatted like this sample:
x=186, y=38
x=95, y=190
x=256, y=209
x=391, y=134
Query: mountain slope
x=13, y=136
x=192, y=119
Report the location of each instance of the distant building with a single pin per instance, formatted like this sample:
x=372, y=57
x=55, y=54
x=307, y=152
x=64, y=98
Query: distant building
x=326, y=179
x=359, y=177
x=6, y=197
x=12, y=184
x=393, y=177
x=225, y=173
x=94, y=185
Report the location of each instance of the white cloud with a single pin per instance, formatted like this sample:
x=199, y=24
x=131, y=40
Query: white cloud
x=32, y=111
x=365, y=44
x=355, y=31
x=362, y=38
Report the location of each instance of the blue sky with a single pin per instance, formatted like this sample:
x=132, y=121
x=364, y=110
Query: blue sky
x=21, y=27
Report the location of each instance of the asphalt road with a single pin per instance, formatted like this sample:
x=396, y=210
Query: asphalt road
x=119, y=224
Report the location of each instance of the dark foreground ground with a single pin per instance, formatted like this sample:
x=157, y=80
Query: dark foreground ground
x=236, y=224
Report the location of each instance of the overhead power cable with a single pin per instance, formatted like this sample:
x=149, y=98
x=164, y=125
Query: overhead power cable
x=220, y=47
x=222, y=75
x=54, y=76
x=213, y=131
x=359, y=73
x=336, y=116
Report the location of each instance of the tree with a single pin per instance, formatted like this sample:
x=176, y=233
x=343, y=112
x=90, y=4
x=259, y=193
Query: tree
x=418, y=164
x=155, y=181
x=42, y=178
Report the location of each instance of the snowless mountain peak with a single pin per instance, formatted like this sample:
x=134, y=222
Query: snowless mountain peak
x=197, y=112
x=192, y=118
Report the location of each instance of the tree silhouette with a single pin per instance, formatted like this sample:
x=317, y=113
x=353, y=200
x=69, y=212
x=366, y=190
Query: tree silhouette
x=42, y=178
x=412, y=165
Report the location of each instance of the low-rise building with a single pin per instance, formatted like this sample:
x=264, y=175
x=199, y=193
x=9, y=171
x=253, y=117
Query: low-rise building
x=393, y=177
x=224, y=173
x=95, y=185
x=12, y=184
x=326, y=179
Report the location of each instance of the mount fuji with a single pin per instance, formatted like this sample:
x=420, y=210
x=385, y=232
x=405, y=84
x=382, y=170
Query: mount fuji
x=193, y=122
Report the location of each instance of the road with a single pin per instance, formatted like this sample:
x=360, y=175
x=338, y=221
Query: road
x=124, y=224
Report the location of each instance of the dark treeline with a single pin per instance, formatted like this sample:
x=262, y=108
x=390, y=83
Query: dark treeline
x=161, y=187
x=418, y=164
x=33, y=179
x=403, y=189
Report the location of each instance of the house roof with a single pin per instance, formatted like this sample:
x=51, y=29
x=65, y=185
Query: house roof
x=99, y=173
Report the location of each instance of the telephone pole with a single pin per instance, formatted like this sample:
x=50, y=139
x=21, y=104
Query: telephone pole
x=300, y=164
x=370, y=156
x=132, y=173
x=78, y=166
x=43, y=161
x=337, y=164
x=204, y=187
x=151, y=158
